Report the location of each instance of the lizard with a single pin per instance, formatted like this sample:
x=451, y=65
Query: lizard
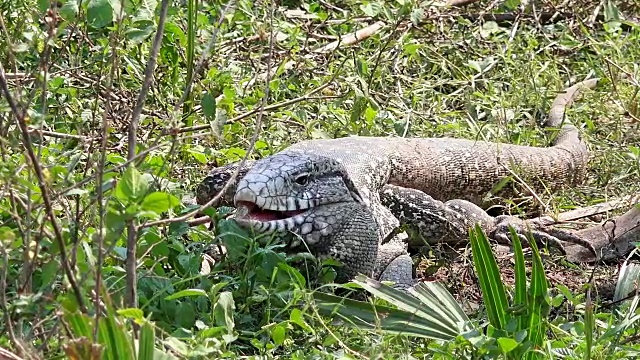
x=345, y=198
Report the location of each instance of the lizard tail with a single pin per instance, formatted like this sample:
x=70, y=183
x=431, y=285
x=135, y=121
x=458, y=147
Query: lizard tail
x=568, y=133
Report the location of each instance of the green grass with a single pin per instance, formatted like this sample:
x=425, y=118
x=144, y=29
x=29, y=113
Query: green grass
x=430, y=71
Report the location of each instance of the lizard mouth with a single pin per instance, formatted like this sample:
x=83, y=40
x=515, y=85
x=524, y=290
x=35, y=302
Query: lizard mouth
x=251, y=212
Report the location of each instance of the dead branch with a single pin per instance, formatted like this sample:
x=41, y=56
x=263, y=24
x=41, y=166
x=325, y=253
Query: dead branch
x=613, y=239
x=592, y=210
x=461, y=3
x=351, y=39
x=20, y=116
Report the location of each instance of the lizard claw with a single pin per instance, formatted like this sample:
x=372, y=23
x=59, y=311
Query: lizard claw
x=541, y=233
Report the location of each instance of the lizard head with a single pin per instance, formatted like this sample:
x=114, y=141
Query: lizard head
x=290, y=192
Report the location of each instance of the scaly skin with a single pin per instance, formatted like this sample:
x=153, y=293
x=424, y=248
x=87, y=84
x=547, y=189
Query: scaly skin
x=434, y=185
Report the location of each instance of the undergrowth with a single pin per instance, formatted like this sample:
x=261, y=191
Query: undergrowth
x=106, y=130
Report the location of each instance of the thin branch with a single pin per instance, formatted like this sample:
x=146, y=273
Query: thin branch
x=58, y=135
x=99, y=179
x=461, y=3
x=24, y=131
x=254, y=139
x=353, y=38
x=252, y=112
x=131, y=298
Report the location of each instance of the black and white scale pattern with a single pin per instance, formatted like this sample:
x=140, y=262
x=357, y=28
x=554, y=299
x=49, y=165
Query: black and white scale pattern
x=350, y=194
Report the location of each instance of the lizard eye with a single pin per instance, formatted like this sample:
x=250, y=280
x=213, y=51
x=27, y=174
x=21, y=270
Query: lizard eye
x=302, y=179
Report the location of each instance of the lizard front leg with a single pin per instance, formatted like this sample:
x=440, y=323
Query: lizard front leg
x=450, y=221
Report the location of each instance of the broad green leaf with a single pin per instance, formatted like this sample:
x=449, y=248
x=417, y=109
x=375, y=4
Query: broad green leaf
x=511, y=4
x=297, y=318
x=208, y=106
x=223, y=311
x=371, y=9
x=132, y=313
x=185, y=315
x=359, y=106
x=159, y=202
x=185, y=293
x=69, y=10
x=140, y=31
x=278, y=334
x=147, y=10
x=99, y=13
x=507, y=344
x=132, y=186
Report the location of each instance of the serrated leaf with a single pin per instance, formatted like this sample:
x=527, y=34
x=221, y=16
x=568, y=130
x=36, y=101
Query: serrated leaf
x=159, y=202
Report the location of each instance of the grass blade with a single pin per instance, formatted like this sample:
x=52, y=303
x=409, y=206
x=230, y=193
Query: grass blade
x=520, y=296
x=493, y=291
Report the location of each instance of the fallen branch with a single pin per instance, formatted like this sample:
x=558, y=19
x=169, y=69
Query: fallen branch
x=592, y=210
x=613, y=239
x=352, y=38
x=461, y=3
x=541, y=18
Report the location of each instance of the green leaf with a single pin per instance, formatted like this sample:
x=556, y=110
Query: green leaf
x=520, y=296
x=539, y=303
x=140, y=31
x=185, y=293
x=99, y=13
x=371, y=9
x=297, y=318
x=359, y=106
x=428, y=311
x=507, y=344
x=146, y=344
x=147, y=10
x=69, y=10
x=185, y=315
x=132, y=313
x=208, y=106
x=132, y=186
x=511, y=4
x=278, y=334
x=223, y=311
x=493, y=291
x=159, y=202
